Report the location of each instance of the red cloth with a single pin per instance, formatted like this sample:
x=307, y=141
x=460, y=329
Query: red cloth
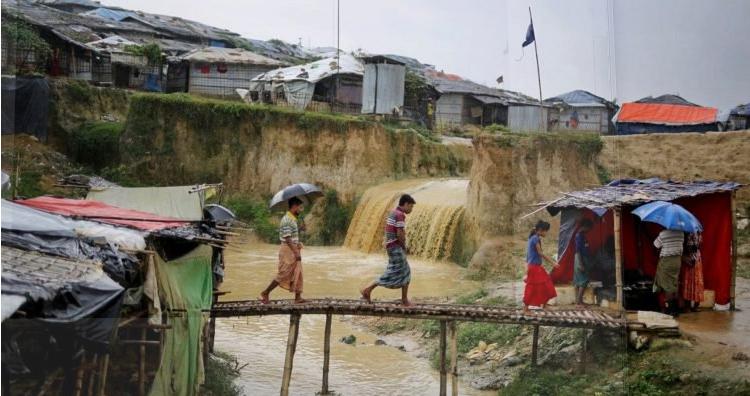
x=602, y=229
x=103, y=213
x=539, y=288
x=670, y=114
x=691, y=281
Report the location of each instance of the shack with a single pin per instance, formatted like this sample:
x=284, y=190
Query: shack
x=219, y=72
x=383, y=85
x=323, y=85
x=582, y=110
x=664, y=114
x=625, y=259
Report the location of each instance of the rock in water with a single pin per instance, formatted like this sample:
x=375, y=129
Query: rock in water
x=350, y=339
x=379, y=342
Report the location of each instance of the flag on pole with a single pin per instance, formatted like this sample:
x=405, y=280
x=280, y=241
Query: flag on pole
x=529, y=35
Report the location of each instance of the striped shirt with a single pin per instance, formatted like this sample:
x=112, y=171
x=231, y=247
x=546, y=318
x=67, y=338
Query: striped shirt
x=396, y=220
x=670, y=242
x=288, y=228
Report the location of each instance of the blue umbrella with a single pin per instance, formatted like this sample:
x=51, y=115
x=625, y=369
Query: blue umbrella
x=668, y=215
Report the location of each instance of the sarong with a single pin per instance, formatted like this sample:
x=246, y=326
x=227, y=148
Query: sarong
x=667, y=274
x=580, y=275
x=691, y=281
x=539, y=288
x=398, y=273
x=289, y=274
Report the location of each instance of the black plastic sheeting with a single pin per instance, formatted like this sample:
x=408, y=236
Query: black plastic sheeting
x=121, y=267
x=25, y=106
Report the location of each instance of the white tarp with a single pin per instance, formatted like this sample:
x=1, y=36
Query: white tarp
x=177, y=202
x=315, y=71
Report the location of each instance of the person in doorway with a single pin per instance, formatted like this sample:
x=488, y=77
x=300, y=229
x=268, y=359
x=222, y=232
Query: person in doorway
x=581, y=261
x=397, y=274
x=539, y=288
x=289, y=274
x=669, y=243
x=430, y=114
x=691, y=273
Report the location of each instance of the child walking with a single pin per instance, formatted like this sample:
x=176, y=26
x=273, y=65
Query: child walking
x=539, y=288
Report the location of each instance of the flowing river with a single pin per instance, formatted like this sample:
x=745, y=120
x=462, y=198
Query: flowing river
x=361, y=369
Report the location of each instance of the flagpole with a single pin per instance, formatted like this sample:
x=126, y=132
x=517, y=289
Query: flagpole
x=538, y=75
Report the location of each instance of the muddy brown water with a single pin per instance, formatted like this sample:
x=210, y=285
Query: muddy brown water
x=361, y=369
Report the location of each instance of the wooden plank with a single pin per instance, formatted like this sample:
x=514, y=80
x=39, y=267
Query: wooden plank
x=326, y=353
x=619, y=303
x=142, y=365
x=454, y=358
x=443, y=370
x=733, y=208
x=535, y=346
x=291, y=346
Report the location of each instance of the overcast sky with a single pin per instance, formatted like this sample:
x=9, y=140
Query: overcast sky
x=616, y=49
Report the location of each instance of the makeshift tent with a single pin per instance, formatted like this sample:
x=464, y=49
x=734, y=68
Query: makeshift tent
x=618, y=230
x=179, y=202
x=102, y=212
x=659, y=116
x=25, y=106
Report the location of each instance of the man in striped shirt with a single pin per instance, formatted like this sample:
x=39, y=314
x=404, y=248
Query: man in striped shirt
x=669, y=243
x=397, y=273
x=289, y=273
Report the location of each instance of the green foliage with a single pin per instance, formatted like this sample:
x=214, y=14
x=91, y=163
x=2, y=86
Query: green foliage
x=277, y=42
x=24, y=37
x=27, y=184
x=96, y=144
x=256, y=213
x=79, y=92
x=496, y=128
x=545, y=382
x=334, y=220
x=472, y=297
x=603, y=174
x=415, y=88
x=588, y=144
x=151, y=51
x=470, y=333
x=220, y=375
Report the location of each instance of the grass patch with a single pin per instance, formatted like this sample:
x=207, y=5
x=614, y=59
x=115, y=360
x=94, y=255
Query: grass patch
x=255, y=213
x=221, y=371
x=469, y=334
x=496, y=128
x=96, y=144
x=603, y=174
x=472, y=297
x=79, y=91
x=589, y=145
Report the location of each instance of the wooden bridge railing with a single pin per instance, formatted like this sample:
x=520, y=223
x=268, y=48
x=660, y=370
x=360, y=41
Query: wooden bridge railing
x=447, y=314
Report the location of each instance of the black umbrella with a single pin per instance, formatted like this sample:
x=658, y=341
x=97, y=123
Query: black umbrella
x=218, y=213
x=304, y=191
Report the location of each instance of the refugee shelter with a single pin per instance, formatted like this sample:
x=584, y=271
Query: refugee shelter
x=219, y=71
x=664, y=114
x=323, y=85
x=383, y=85
x=582, y=110
x=94, y=292
x=739, y=117
x=622, y=245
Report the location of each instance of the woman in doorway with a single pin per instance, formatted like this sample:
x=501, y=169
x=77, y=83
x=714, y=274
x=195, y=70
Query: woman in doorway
x=691, y=272
x=539, y=288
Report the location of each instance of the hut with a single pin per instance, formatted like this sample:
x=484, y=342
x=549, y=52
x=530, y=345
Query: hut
x=330, y=84
x=218, y=71
x=582, y=110
x=664, y=114
x=383, y=85
x=622, y=245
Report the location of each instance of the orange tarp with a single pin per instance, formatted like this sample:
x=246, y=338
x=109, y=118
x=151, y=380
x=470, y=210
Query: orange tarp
x=656, y=113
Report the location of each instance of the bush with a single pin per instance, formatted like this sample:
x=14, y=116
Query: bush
x=496, y=128
x=221, y=371
x=334, y=220
x=256, y=213
x=96, y=144
x=79, y=91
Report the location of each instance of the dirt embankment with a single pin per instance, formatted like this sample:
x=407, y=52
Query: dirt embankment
x=255, y=150
x=681, y=156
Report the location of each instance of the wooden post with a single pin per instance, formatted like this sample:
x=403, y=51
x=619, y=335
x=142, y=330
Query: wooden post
x=93, y=375
x=291, y=346
x=534, y=345
x=142, y=365
x=454, y=358
x=103, y=375
x=618, y=258
x=733, y=208
x=79, y=375
x=326, y=353
x=443, y=370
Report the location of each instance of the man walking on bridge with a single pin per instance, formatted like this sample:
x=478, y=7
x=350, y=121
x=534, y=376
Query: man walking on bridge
x=289, y=274
x=397, y=274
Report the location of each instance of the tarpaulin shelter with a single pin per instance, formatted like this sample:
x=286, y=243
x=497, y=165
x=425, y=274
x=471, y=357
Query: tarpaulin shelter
x=628, y=241
x=25, y=106
x=667, y=113
x=178, y=202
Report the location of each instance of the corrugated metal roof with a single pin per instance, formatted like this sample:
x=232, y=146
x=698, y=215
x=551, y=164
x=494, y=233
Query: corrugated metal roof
x=667, y=99
x=580, y=98
x=230, y=55
x=631, y=192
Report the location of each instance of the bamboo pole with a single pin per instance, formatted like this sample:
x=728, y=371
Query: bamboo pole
x=326, y=353
x=443, y=371
x=454, y=358
x=291, y=346
x=733, y=208
x=92, y=377
x=79, y=375
x=618, y=258
x=535, y=345
x=584, y=349
x=142, y=365
x=103, y=375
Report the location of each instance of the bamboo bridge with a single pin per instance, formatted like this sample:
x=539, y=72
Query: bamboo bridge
x=447, y=314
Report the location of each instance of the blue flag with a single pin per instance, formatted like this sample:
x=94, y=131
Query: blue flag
x=529, y=35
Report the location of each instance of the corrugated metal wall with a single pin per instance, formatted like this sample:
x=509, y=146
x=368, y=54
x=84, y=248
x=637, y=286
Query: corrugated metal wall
x=382, y=88
x=589, y=119
x=526, y=118
x=449, y=110
x=206, y=79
